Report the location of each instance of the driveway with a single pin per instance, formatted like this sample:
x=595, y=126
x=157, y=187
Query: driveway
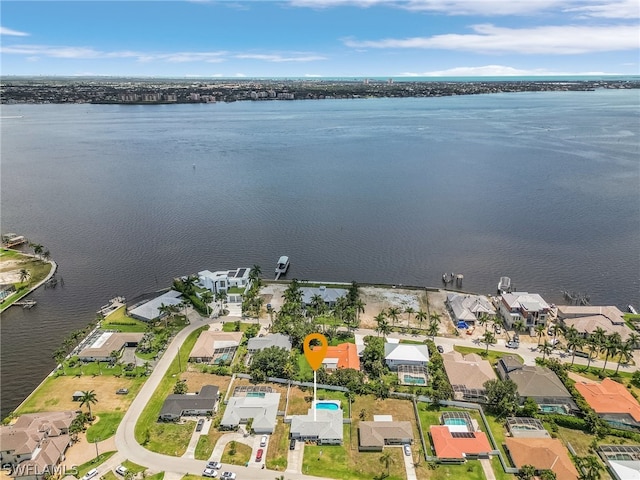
x=409, y=466
x=294, y=459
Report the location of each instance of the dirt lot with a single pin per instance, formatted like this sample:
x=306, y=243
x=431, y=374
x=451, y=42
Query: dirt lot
x=10, y=271
x=196, y=380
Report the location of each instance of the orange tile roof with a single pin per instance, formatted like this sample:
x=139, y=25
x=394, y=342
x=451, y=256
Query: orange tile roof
x=447, y=446
x=544, y=454
x=609, y=396
x=347, y=355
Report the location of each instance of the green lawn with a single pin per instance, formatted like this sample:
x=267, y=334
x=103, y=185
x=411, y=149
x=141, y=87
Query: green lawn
x=119, y=320
x=231, y=326
x=38, y=270
x=99, y=368
x=85, y=467
x=170, y=438
x=241, y=457
x=157, y=476
x=498, y=471
x=105, y=427
x=109, y=476
x=134, y=467
x=493, y=356
x=204, y=448
x=472, y=470
x=149, y=416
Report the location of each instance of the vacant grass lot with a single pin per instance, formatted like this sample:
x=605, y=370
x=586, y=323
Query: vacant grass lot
x=105, y=426
x=241, y=457
x=493, y=356
x=85, y=467
x=170, y=438
x=206, y=444
x=119, y=320
x=278, y=449
x=472, y=470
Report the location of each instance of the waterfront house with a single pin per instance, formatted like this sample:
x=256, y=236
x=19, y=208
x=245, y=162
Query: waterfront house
x=150, y=311
x=215, y=347
x=539, y=383
x=36, y=443
x=587, y=318
x=103, y=344
x=468, y=308
x=467, y=375
x=373, y=436
x=329, y=295
x=623, y=461
x=190, y=404
x=259, y=407
x=326, y=429
x=543, y=454
x=344, y=355
x=396, y=354
x=279, y=340
x=223, y=280
x=530, y=308
x=612, y=402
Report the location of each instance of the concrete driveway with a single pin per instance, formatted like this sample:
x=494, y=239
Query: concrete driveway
x=409, y=466
x=294, y=459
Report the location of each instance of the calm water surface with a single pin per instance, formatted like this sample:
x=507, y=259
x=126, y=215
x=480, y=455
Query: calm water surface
x=542, y=187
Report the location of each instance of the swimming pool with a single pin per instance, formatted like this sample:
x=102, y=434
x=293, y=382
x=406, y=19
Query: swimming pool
x=256, y=394
x=327, y=406
x=411, y=379
x=455, y=421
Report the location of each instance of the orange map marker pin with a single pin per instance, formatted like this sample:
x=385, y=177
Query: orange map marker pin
x=315, y=355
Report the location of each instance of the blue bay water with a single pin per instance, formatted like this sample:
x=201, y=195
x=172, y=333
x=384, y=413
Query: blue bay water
x=542, y=187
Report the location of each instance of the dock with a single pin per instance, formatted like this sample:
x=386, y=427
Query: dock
x=26, y=303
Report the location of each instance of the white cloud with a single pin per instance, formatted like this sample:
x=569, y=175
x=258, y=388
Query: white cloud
x=492, y=71
x=612, y=9
x=279, y=58
x=15, y=33
x=548, y=40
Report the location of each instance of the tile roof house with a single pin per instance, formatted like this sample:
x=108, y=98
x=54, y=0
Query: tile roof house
x=612, y=402
x=36, y=442
x=344, y=355
x=468, y=308
x=405, y=354
x=543, y=454
x=455, y=447
x=539, y=383
x=373, y=436
x=326, y=429
x=467, y=375
x=279, y=340
x=212, y=346
x=528, y=307
x=329, y=295
x=263, y=409
x=107, y=342
x=179, y=405
x=587, y=318
x=150, y=311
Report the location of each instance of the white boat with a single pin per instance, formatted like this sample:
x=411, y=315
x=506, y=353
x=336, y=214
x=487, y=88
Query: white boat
x=282, y=266
x=504, y=285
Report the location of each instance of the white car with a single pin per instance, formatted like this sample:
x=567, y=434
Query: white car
x=121, y=470
x=209, y=472
x=228, y=476
x=90, y=474
x=263, y=441
x=214, y=465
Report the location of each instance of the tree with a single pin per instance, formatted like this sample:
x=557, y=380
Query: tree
x=432, y=331
x=255, y=272
x=540, y=332
x=409, y=310
x=88, y=397
x=37, y=248
x=207, y=298
x=180, y=388
x=269, y=362
x=527, y=472
x=421, y=316
x=488, y=338
x=546, y=348
x=590, y=467
x=529, y=407
x=610, y=347
x=624, y=350
x=24, y=275
x=555, y=329
x=502, y=396
x=483, y=320
x=519, y=325
x=547, y=475
x=373, y=357
x=363, y=415
x=593, y=347
x=165, y=312
x=393, y=314
x=221, y=297
x=574, y=342
x=381, y=319
x=387, y=460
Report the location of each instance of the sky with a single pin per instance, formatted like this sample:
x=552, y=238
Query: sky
x=320, y=38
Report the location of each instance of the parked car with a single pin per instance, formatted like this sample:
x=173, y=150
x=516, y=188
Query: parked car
x=292, y=444
x=121, y=470
x=263, y=441
x=90, y=474
x=498, y=329
x=259, y=455
x=122, y=391
x=228, y=476
x=407, y=449
x=440, y=349
x=512, y=344
x=199, y=425
x=214, y=465
x=209, y=472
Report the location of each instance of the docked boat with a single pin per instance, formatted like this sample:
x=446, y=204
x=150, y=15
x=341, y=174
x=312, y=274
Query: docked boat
x=631, y=309
x=504, y=285
x=282, y=266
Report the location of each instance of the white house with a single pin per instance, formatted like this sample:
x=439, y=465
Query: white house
x=396, y=354
x=262, y=408
x=528, y=307
x=469, y=308
x=223, y=280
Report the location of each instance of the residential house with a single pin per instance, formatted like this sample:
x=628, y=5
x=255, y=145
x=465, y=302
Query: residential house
x=344, y=355
x=469, y=308
x=612, y=402
x=223, y=280
x=329, y=295
x=530, y=308
x=587, y=318
x=452, y=446
x=543, y=454
x=373, y=436
x=215, y=347
x=183, y=405
x=467, y=375
x=322, y=426
x=396, y=354
x=104, y=343
x=36, y=443
x=150, y=311
x=279, y=340
x=261, y=408
x=539, y=383
x=623, y=461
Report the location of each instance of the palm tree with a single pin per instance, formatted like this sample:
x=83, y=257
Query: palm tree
x=633, y=339
x=547, y=475
x=527, y=472
x=383, y=327
x=432, y=331
x=590, y=467
x=255, y=272
x=409, y=311
x=483, y=320
x=165, y=311
x=624, y=350
x=221, y=296
x=393, y=314
x=593, y=347
x=421, y=316
x=435, y=317
x=207, y=298
x=555, y=329
x=37, y=248
x=88, y=397
x=518, y=325
x=488, y=339
x=546, y=348
x=387, y=460
x=574, y=341
x=24, y=275
x=599, y=336
x=359, y=306
x=540, y=331
x=610, y=347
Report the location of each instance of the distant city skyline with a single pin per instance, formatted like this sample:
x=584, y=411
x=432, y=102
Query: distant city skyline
x=321, y=38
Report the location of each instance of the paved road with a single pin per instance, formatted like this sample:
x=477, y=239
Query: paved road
x=129, y=448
